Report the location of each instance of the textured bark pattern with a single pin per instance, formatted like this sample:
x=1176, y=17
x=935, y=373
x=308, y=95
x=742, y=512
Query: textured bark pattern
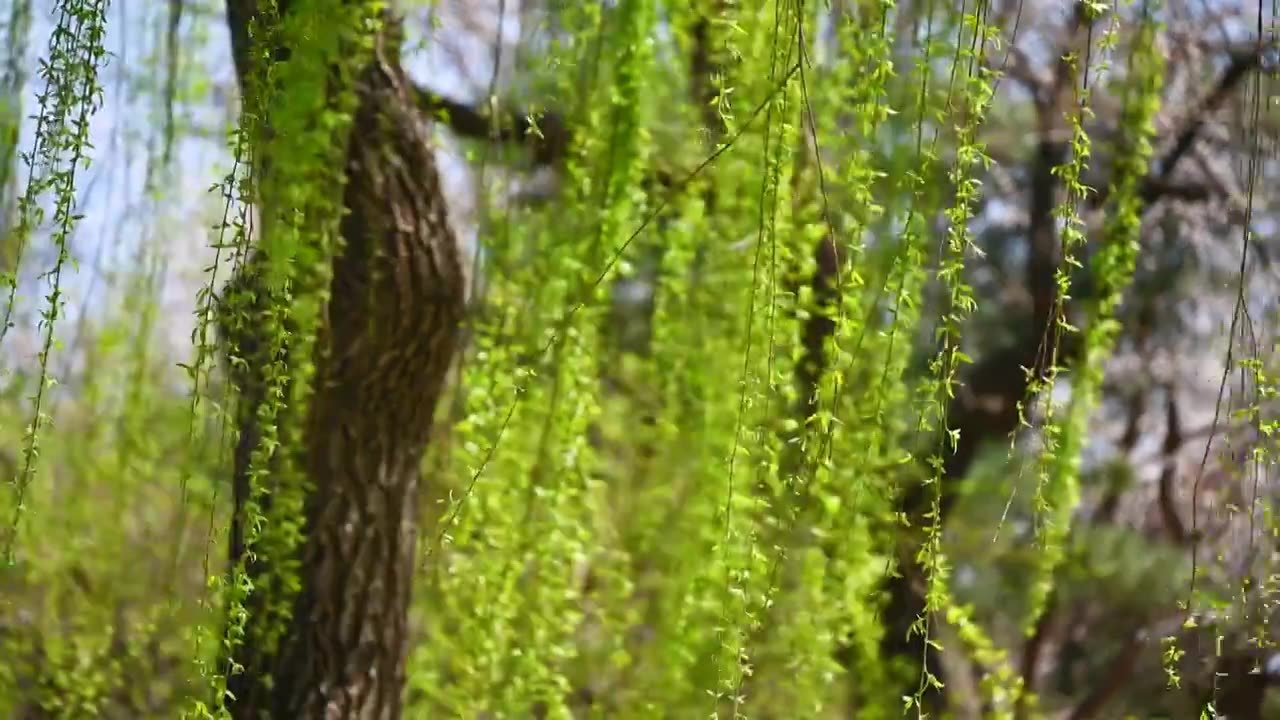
x=390, y=331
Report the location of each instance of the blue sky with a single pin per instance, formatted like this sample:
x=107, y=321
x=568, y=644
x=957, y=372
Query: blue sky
x=121, y=218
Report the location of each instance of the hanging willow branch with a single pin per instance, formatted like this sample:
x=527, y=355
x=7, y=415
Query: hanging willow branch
x=986, y=407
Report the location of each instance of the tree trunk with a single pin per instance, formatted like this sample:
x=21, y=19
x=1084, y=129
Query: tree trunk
x=384, y=346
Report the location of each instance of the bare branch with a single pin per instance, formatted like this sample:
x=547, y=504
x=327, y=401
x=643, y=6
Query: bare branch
x=546, y=134
x=1242, y=62
x=1172, y=443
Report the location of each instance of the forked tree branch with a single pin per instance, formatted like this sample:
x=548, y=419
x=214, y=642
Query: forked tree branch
x=1242, y=61
x=546, y=134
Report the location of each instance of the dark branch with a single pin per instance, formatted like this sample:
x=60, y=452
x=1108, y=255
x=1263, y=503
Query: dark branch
x=1168, y=472
x=545, y=134
x=703, y=67
x=1122, y=667
x=1242, y=61
x=1159, y=182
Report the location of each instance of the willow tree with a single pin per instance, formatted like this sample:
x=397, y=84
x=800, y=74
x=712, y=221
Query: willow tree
x=703, y=520
x=342, y=324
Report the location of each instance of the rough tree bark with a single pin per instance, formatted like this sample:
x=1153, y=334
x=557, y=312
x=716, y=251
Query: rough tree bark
x=390, y=329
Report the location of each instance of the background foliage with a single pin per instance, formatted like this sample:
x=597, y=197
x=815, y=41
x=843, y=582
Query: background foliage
x=794, y=326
